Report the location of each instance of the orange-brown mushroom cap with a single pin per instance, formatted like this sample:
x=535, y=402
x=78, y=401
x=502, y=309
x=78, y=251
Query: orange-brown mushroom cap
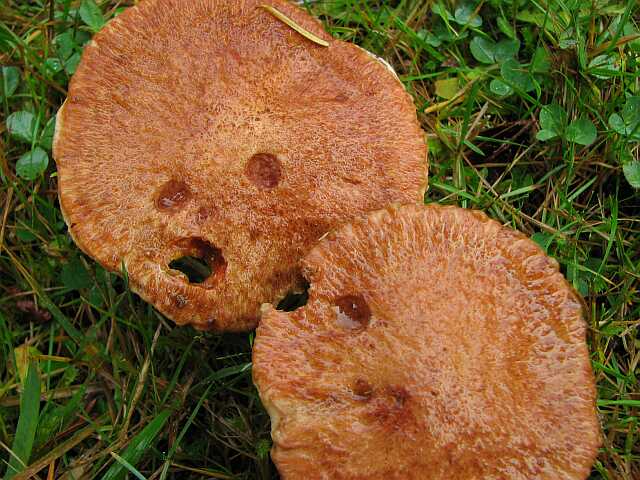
x=209, y=128
x=435, y=344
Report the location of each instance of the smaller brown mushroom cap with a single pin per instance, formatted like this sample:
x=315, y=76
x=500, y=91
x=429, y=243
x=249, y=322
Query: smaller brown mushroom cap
x=436, y=344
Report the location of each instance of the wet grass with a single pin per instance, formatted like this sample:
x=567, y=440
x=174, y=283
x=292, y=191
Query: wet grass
x=531, y=114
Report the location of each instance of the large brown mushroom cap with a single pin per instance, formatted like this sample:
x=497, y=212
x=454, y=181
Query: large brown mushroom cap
x=436, y=344
x=210, y=128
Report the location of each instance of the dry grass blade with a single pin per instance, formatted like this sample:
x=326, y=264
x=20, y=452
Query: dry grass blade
x=201, y=471
x=305, y=33
x=141, y=382
x=621, y=41
x=54, y=454
x=9, y=196
x=55, y=394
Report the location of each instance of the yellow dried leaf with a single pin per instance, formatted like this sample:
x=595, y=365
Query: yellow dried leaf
x=447, y=88
x=23, y=354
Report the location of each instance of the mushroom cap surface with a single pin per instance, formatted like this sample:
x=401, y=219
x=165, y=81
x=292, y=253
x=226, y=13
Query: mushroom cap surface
x=435, y=344
x=210, y=129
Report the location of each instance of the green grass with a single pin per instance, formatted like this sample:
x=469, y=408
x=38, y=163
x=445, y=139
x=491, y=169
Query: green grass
x=524, y=105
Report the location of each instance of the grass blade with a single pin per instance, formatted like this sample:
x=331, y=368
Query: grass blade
x=190, y=420
x=138, y=446
x=128, y=466
x=628, y=403
x=27, y=423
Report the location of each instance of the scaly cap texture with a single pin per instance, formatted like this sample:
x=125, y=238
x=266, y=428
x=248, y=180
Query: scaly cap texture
x=209, y=128
x=435, y=344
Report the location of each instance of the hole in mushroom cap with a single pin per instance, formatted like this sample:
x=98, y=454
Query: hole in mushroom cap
x=201, y=261
x=172, y=195
x=294, y=300
x=352, y=312
x=264, y=170
x=195, y=268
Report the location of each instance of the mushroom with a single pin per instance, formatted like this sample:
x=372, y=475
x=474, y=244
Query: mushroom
x=212, y=133
x=435, y=344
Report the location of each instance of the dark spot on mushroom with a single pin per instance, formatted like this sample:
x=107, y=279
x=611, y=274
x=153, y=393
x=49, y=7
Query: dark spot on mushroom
x=202, y=215
x=352, y=312
x=172, y=195
x=399, y=394
x=362, y=389
x=264, y=170
x=391, y=407
x=201, y=261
